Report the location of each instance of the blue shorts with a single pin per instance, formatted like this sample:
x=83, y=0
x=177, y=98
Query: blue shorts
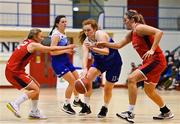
x=112, y=69
x=62, y=68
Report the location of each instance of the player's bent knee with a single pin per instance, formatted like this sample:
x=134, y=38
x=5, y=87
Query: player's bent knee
x=131, y=80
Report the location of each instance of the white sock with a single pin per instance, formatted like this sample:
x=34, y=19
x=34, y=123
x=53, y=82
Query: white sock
x=131, y=108
x=21, y=99
x=34, y=105
x=67, y=101
x=106, y=105
x=86, y=100
x=76, y=98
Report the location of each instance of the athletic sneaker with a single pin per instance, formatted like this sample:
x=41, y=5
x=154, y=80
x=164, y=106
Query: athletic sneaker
x=78, y=104
x=36, y=115
x=14, y=108
x=85, y=110
x=162, y=116
x=127, y=115
x=103, y=112
x=67, y=108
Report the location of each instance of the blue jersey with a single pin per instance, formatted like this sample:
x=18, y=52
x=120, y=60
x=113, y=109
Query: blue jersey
x=111, y=64
x=113, y=54
x=61, y=63
x=62, y=42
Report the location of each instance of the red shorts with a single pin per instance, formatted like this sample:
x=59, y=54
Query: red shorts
x=153, y=67
x=18, y=79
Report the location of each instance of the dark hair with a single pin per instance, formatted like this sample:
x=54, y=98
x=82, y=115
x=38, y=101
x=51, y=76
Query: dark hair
x=33, y=32
x=57, y=20
x=133, y=14
x=93, y=24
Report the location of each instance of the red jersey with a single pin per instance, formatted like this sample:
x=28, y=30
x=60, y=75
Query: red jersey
x=20, y=57
x=153, y=66
x=143, y=44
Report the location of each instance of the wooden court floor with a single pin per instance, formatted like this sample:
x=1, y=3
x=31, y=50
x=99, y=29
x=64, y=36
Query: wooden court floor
x=51, y=101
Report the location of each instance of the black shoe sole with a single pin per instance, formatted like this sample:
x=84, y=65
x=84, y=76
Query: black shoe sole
x=124, y=118
x=83, y=114
x=158, y=118
x=68, y=112
x=101, y=116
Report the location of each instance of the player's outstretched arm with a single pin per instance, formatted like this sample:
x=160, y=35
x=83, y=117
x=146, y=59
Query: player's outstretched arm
x=39, y=47
x=117, y=45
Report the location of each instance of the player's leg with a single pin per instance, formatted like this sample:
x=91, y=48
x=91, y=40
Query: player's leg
x=112, y=76
x=91, y=75
x=133, y=78
x=150, y=90
x=107, y=97
x=77, y=101
x=17, y=81
x=33, y=91
x=69, y=77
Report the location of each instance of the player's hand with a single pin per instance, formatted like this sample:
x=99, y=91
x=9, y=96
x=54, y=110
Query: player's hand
x=148, y=54
x=101, y=44
x=70, y=51
x=89, y=44
x=72, y=46
x=84, y=72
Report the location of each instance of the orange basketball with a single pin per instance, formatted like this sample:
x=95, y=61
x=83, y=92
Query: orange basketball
x=82, y=85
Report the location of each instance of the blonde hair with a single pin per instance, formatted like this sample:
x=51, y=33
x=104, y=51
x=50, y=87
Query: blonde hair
x=33, y=32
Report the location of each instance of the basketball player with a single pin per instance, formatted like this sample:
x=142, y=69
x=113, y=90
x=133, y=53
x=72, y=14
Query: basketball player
x=145, y=40
x=62, y=65
x=105, y=60
x=15, y=72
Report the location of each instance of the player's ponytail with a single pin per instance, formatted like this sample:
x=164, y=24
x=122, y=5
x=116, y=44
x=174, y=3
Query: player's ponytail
x=82, y=37
x=141, y=19
x=54, y=26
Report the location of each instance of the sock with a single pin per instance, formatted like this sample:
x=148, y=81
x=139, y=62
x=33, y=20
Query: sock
x=21, y=99
x=34, y=106
x=131, y=108
x=76, y=98
x=86, y=100
x=164, y=109
x=67, y=101
x=106, y=105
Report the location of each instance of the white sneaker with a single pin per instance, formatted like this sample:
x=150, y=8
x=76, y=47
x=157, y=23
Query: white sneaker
x=163, y=116
x=127, y=115
x=36, y=115
x=14, y=108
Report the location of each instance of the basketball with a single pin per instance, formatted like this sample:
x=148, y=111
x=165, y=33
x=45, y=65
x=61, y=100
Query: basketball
x=82, y=85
